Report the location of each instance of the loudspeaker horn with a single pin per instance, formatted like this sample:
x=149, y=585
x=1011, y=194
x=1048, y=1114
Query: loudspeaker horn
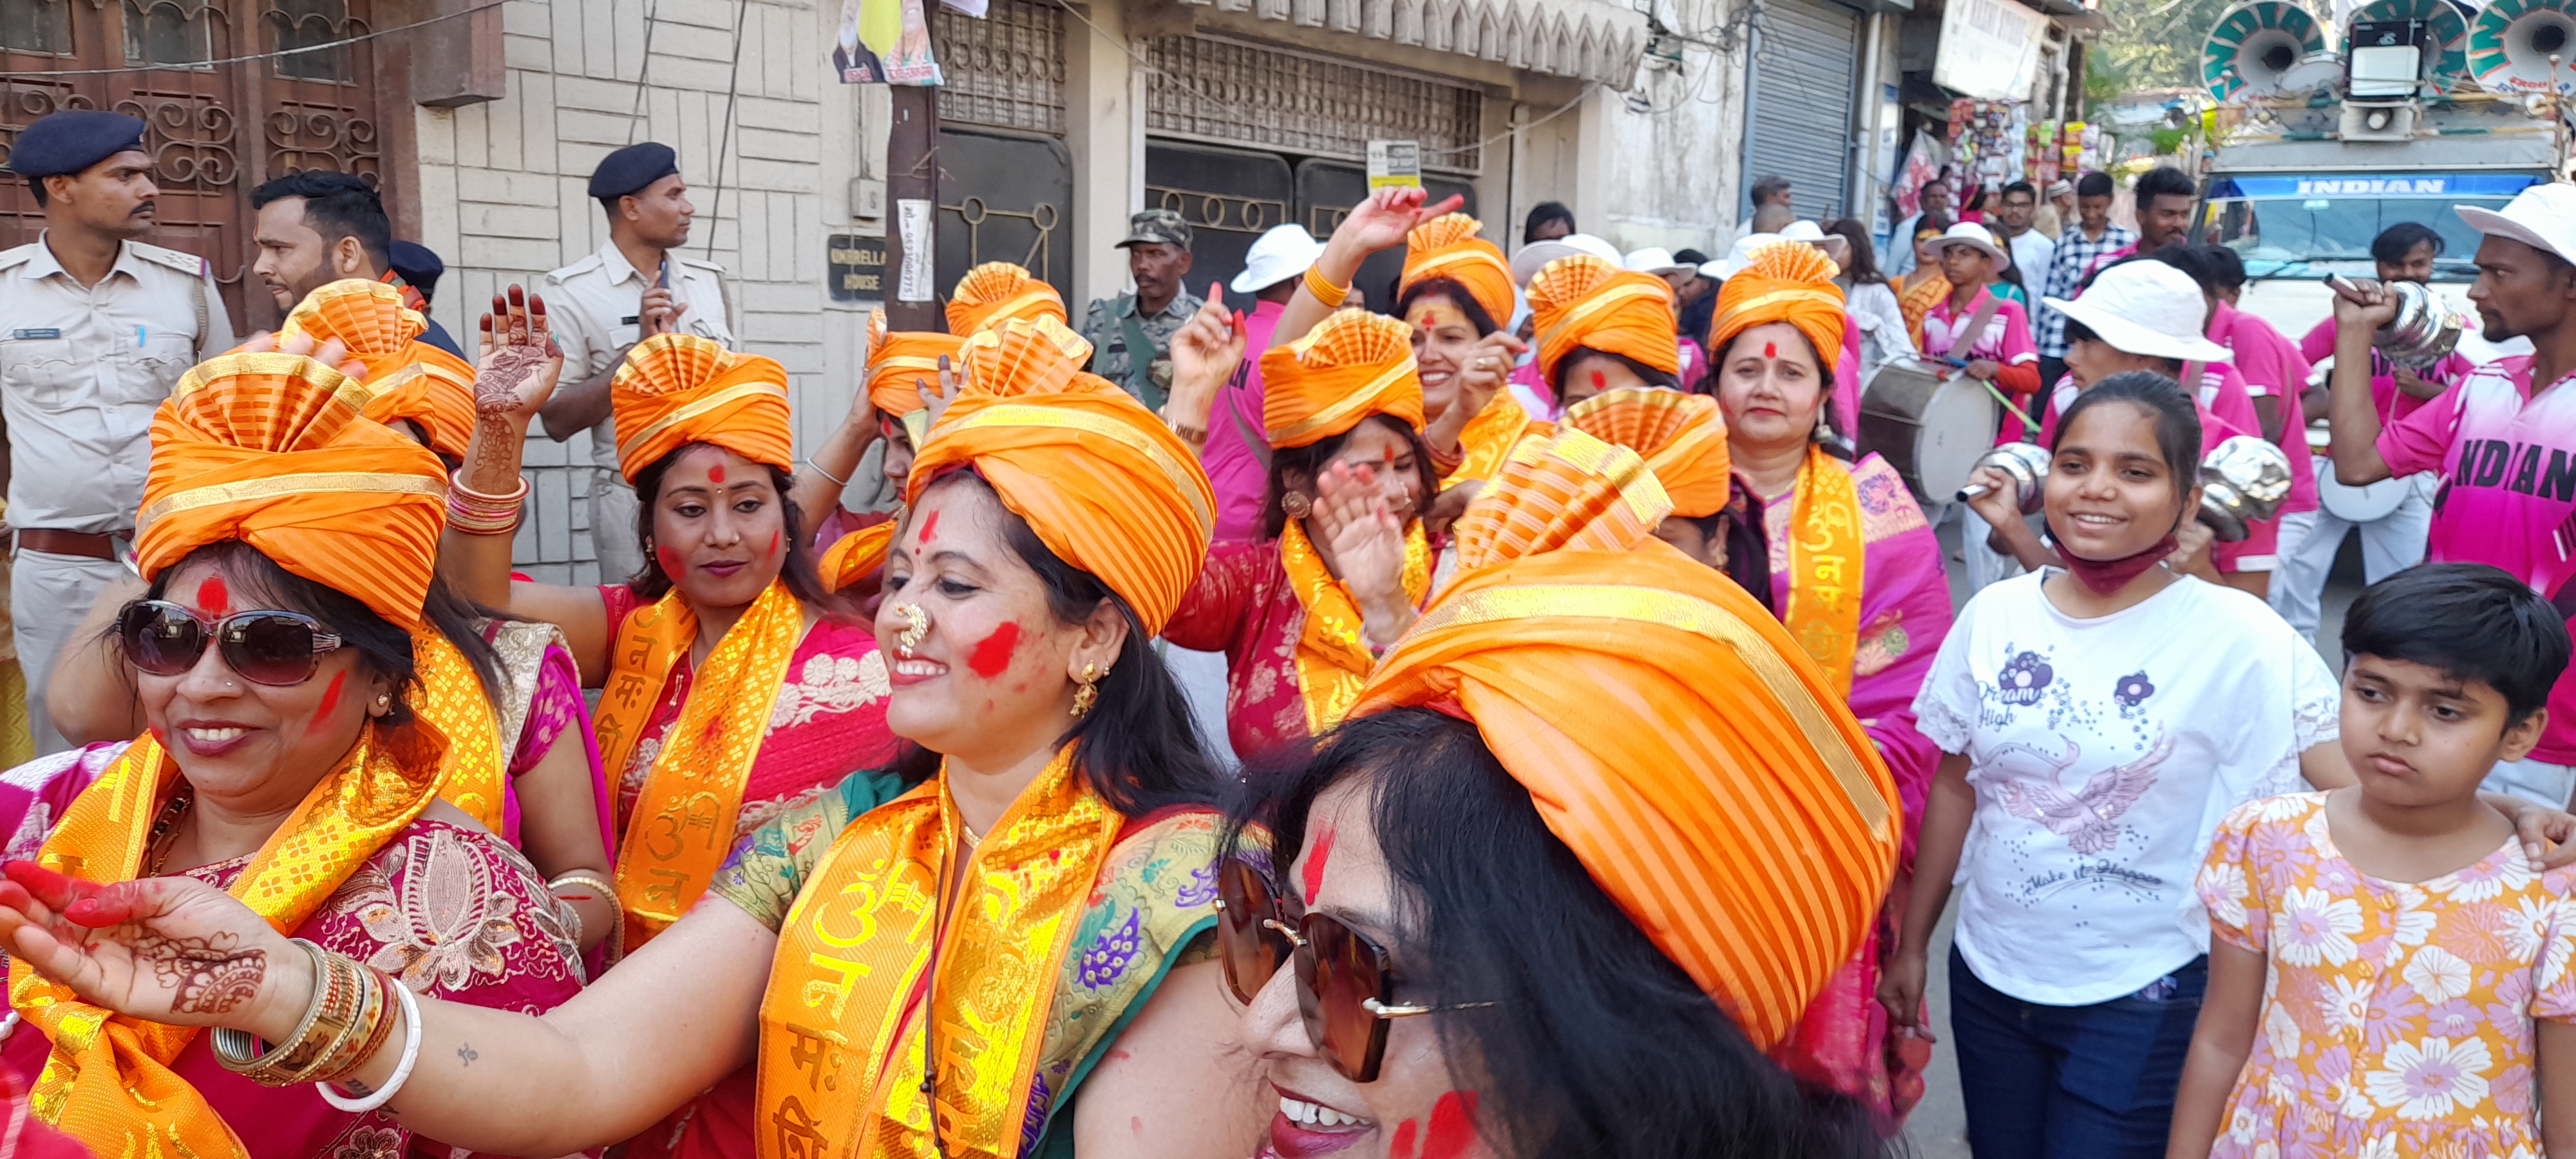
x=2254, y=44
x=2511, y=43
x=2447, y=56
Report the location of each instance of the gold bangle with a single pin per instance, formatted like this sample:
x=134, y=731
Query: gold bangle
x=352, y=1045
x=335, y=1003
x=1325, y=292
x=607, y=892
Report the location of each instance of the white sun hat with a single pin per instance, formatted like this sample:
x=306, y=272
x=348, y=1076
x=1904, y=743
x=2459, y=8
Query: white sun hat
x=1535, y=256
x=2147, y=308
x=1804, y=229
x=1740, y=256
x=1276, y=256
x=1969, y=233
x=1653, y=259
x=2542, y=217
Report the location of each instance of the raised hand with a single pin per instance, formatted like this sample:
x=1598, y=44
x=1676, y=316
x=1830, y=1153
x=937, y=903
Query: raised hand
x=166, y=949
x=950, y=382
x=1382, y=221
x=520, y=362
x=1205, y=352
x=1482, y=373
x=1367, y=541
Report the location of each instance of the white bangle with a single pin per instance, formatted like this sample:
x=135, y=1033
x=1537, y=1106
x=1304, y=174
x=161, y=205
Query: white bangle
x=402, y=1070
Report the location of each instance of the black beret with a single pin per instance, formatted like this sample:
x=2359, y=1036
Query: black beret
x=417, y=265
x=630, y=169
x=72, y=140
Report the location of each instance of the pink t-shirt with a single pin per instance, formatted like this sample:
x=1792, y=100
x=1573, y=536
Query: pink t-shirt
x=2508, y=495
x=2270, y=366
x=2226, y=411
x=2393, y=404
x=1234, y=471
x=2006, y=341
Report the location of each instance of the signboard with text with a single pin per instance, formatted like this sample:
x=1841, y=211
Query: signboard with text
x=1988, y=48
x=854, y=267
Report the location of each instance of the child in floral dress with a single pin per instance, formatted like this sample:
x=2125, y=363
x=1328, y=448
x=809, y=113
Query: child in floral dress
x=2389, y=975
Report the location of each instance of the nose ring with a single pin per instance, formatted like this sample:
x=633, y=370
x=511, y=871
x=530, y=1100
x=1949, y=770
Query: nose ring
x=917, y=626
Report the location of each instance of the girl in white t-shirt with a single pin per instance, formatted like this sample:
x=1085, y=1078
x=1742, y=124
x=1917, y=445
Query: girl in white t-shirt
x=2097, y=721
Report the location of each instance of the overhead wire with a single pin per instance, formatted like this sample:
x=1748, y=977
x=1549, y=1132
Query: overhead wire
x=275, y=54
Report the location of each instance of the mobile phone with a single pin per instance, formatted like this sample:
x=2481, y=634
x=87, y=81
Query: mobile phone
x=664, y=281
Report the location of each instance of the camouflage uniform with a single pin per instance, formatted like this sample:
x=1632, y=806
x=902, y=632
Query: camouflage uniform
x=1105, y=324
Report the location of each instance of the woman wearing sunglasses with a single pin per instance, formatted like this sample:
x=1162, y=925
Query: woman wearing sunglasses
x=1015, y=933
x=548, y=798
x=286, y=666
x=1563, y=924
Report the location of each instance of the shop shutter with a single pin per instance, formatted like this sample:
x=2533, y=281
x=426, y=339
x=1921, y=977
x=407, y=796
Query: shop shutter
x=1803, y=70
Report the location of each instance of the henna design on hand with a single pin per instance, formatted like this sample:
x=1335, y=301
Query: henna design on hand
x=212, y=974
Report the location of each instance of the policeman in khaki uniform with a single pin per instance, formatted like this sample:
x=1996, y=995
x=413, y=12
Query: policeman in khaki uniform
x=95, y=329
x=636, y=286
x=1131, y=334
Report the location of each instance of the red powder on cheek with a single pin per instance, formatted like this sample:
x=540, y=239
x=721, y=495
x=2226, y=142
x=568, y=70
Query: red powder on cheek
x=715, y=474
x=1402, y=1148
x=670, y=561
x=1453, y=1127
x=773, y=543
x=213, y=597
x=993, y=657
x=1313, y=876
x=330, y=704
x=929, y=528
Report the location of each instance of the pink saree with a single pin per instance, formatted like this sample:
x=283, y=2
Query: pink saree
x=453, y=912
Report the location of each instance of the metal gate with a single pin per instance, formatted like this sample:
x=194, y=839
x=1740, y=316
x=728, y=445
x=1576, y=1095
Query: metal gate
x=1229, y=197
x=1806, y=54
x=217, y=131
x=1005, y=197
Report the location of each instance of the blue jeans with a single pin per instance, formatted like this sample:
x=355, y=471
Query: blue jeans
x=2071, y=1082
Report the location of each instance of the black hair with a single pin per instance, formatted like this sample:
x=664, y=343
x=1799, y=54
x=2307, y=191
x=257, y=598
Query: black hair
x=1458, y=296
x=2163, y=181
x=1596, y=1042
x=2177, y=420
x=652, y=583
x=2095, y=184
x=2193, y=261
x=1769, y=187
x=1689, y=258
x=1747, y=536
x=2397, y=242
x=2079, y=332
x=1541, y=214
x=1139, y=747
x=1862, y=262
x=2472, y=621
x=2022, y=187
x=1309, y=461
x=2226, y=270
x=36, y=185
x=1652, y=376
x=383, y=647
x=336, y=205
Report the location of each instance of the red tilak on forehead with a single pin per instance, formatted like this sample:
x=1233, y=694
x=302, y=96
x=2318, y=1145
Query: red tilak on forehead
x=929, y=528
x=213, y=596
x=1770, y=350
x=715, y=474
x=1600, y=381
x=1314, y=873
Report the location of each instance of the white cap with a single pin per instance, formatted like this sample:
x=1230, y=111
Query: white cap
x=2147, y=308
x=1969, y=233
x=1740, y=256
x=1535, y=256
x=2542, y=217
x=1653, y=259
x=1805, y=230
x=1276, y=256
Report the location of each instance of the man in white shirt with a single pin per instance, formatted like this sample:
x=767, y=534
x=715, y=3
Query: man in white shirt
x=95, y=329
x=2032, y=251
x=635, y=287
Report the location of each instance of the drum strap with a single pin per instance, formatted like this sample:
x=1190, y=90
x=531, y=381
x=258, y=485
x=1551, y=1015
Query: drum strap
x=1976, y=328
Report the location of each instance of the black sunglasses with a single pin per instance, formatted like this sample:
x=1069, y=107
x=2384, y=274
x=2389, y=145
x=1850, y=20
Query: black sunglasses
x=274, y=648
x=1345, y=982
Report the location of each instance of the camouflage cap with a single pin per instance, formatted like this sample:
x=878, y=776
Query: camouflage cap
x=1157, y=227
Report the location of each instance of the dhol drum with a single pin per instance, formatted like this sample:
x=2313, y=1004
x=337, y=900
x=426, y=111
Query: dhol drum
x=2364, y=504
x=1930, y=429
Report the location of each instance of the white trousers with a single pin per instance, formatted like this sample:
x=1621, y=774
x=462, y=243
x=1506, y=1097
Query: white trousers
x=612, y=528
x=2389, y=544
x=48, y=596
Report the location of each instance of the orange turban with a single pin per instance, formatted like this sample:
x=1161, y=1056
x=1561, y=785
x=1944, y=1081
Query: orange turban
x=1447, y=247
x=409, y=378
x=1352, y=365
x=1682, y=437
x=1585, y=301
x=856, y=556
x=1105, y=484
x=996, y=292
x=898, y=362
x=677, y=389
x=1790, y=282
x=270, y=449
x=1710, y=779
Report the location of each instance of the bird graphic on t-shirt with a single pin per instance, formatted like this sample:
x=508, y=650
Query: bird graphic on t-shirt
x=2089, y=818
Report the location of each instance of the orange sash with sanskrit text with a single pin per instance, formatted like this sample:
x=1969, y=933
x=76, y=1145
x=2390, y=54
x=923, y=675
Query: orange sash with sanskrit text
x=1825, y=546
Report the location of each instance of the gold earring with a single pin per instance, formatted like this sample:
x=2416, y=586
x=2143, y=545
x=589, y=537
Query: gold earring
x=1296, y=505
x=384, y=703
x=917, y=626
x=1088, y=694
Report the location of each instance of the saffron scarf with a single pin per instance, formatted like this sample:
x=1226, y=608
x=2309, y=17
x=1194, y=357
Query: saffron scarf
x=108, y=1082
x=684, y=818
x=851, y=992
x=1490, y=436
x=1825, y=550
x=475, y=776
x=1333, y=661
